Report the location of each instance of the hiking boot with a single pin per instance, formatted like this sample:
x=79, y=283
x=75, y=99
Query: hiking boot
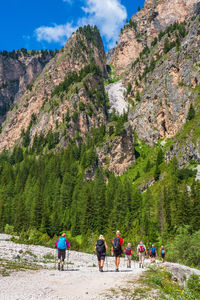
x=58, y=267
x=62, y=268
x=139, y=265
x=117, y=270
x=101, y=269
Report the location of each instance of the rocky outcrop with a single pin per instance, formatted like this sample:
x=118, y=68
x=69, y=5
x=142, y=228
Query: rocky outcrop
x=186, y=153
x=146, y=25
x=16, y=73
x=118, y=155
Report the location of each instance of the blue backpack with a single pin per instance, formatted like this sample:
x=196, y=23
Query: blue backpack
x=153, y=250
x=163, y=251
x=62, y=243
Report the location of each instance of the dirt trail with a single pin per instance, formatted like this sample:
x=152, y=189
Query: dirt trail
x=81, y=281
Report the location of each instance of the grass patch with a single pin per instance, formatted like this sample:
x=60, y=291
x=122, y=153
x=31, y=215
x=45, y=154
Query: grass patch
x=7, y=267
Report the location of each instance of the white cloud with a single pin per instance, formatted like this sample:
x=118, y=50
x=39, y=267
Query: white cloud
x=56, y=33
x=108, y=15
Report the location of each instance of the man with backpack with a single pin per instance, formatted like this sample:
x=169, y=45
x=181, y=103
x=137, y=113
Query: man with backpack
x=117, y=249
x=101, y=248
x=141, y=252
x=153, y=253
x=128, y=253
x=62, y=244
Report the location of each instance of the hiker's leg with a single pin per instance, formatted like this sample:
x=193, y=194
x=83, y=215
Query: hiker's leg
x=129, y=260
x=118, y=261
x=102, y=263
x=63, y=254
x=143, y=256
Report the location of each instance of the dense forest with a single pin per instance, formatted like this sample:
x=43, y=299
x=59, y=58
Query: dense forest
x=49, y=193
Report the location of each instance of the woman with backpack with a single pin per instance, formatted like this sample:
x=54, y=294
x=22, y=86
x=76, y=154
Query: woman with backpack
x=100, y=249
x=62, y=244
x=128, y=253
x=162, y=253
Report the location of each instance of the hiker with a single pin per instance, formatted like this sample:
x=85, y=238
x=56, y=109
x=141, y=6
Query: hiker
x=62, y=244
x=117, y=249
x=163, y=253
x=141, y=251
x=128, y=253
x=153, y=254
x=100, y=249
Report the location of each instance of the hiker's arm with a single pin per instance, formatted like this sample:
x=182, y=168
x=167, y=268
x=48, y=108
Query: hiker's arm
x=68, y=245
x=106, y=246
x=56, y=244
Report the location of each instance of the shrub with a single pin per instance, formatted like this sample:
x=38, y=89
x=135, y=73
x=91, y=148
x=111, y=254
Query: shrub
x=9, y=229
x=191, y=113
x=129, y=88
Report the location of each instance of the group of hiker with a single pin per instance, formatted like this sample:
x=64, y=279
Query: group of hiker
x=117, y=250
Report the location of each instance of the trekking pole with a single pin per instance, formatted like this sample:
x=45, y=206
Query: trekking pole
x=107, y=262
x=67, y=258
x=55, y=258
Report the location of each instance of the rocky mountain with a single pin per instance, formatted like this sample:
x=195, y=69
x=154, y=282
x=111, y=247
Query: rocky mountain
x=153, y=77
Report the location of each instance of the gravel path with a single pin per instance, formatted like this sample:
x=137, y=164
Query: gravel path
x=81, y=281
x=116, y=93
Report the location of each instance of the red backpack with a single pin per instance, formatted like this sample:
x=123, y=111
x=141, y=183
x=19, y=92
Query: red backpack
x=141, y=248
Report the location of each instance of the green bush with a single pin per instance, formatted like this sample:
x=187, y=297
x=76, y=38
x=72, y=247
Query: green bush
x=184, y=248
x=9, y=229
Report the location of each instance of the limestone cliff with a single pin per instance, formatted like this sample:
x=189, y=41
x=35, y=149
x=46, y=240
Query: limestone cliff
x=17, y=71
x=144, y=26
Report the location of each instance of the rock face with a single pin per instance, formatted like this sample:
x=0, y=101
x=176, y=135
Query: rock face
x=119, y=154
x=167, y=84
x=145, y=26
x=50, y=111
x=15, y=74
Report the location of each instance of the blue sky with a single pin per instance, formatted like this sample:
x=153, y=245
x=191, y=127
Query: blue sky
x=46, y=24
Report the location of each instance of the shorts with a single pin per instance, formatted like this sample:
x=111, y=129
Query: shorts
x=118, y=253
x=61, y=254
x=142, y=256
x=128, y=257
x=152, y=255
x=163, y=255
x=101, y=256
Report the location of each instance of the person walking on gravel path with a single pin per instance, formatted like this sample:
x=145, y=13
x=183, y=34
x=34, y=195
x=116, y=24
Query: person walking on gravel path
x=100, y=249
x=162, y=253
x=62, y=244
x=153, y=253
x=128, y=253
x=141, y=252
x=117, y=249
